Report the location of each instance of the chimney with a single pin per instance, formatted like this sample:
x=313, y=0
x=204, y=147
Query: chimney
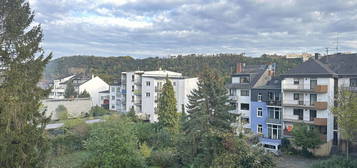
x=317, y=56
x=239, y=68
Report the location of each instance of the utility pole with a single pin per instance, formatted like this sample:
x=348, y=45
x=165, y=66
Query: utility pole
x=326, y=51
x=337, y=43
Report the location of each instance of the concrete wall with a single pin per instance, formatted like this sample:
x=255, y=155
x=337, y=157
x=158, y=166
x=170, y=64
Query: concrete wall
x=75, y=107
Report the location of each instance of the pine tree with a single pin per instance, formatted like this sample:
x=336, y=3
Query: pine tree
x=208, y=119
x=84, y=94
x=168, y=116
x=70, y=91
x=23, y=141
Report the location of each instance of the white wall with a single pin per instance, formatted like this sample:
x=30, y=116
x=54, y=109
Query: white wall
x=93, y=87
x=75, y=107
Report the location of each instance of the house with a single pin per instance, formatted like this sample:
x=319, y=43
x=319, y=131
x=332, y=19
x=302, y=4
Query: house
x=115, y=97
x=244, y=79
x=141, y=91
x=93, y=85
x=309, y=91
x=266, y=113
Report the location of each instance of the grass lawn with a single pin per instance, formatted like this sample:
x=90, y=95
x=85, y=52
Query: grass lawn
x=71, y=160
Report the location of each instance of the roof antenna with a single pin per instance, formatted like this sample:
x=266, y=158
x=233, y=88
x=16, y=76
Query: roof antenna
x=337, y=43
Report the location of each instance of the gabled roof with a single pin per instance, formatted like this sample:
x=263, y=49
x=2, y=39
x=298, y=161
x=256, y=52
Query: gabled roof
x=341, y=64
x=311, y=67
x=255, y=72
x=337, y=65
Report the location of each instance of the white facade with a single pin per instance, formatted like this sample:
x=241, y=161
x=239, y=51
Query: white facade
x=58, y=88
x=115, y=98
x=141, y=90
x=309, y=100
x=93, y=87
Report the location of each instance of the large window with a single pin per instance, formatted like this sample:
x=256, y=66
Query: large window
x=299, y=113
x=147, y=83
x=244, y=92
x=232, y=92
x=312, y=115
x=147, y=94
x=274, y=131
x=244, y=106
x=274, y=113
x=259, y=112
x=296, y=81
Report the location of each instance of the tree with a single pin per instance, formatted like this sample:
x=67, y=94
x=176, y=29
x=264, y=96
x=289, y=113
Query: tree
x=61, y=112
x=70, y=91
x=346, y=114
x=84, y=94
x=22, y=125
x=98, y=111
x=306, y=137
x=207, y=120
x=113, y=144
x=168, y=116
x=131, y=114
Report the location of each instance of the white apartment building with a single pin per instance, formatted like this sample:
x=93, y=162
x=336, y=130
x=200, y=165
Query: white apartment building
x=115, y=94
x=141, y=91
x=309, y=92
x=244, y=79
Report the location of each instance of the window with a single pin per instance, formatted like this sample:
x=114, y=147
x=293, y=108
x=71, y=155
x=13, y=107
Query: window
x=113, y=107
x=113, y=89
x=147, y=94
x=274, y=131
x=260, y=129
x=259, y=112
x=312, y=115
x=296, y=81
x=259, y=96
x=296, y=96
x=299, y=113
x=353, y=82
x=147, y=83
x=244, y=92
x=132, y=88
x=132, y=98
x=113, y=97
x=244, y=79
x=244, y=106
x=174, y=83
x=232, y=92
x=132, y=78
x=270, y=96
x=274, y=113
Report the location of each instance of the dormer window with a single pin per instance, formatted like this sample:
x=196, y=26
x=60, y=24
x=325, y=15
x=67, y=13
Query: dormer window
x=244, y=79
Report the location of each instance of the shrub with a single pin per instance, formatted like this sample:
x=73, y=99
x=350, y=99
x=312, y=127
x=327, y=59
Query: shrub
x=336, y=162
x=98, y=111
x=164, y=158
x=62, y=112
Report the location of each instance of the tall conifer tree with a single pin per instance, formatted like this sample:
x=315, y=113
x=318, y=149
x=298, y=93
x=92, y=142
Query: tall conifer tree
x=208, y=119
x=23, y=142
x=167, y=111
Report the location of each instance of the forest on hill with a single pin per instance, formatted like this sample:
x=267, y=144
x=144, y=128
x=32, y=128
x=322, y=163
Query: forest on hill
x=110, y=68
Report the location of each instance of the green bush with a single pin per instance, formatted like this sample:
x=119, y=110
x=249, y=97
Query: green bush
x=164, y=158
x=98, y=111
x=62, y=112
x=336, y=162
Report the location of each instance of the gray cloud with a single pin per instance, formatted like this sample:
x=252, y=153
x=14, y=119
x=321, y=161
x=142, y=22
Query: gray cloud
x=144, y=28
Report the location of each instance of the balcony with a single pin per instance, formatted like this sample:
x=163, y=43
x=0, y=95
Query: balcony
x=137, y=82
x=137, y=92
x=233, y=98
x=274, y=102
x=306, y=88
x=158, y=89
x=320, y=121
x=305, y=104
x=273, y=121
x=138, y=102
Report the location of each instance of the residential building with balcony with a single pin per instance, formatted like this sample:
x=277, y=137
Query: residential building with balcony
x=266, y=112
x=309, y=91
x=244, y=79
x=115, y=97
x=141, y=90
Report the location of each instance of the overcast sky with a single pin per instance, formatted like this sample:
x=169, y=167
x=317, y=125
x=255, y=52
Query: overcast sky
x=144, y=28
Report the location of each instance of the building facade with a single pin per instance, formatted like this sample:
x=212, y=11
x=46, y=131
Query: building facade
x=243, y=80
x=115, y=97
x=266, y=113
x=141, y=91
